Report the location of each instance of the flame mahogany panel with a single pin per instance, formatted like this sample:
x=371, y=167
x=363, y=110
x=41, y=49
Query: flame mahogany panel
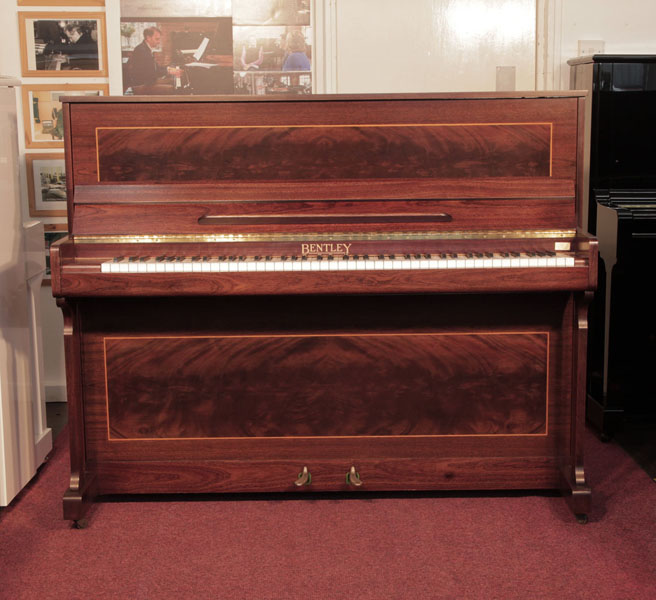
x=328, y=385
x=315, y=152
x=323, y=138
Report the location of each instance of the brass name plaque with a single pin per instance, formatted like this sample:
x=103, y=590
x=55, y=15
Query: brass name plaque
x=330, y=248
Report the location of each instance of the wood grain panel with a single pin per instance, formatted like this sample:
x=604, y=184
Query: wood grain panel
x=155, y=218
x=306, y=316
x=347, y=385
x=323, y=152
x=81, y=281
x=328, y=111
x=161, y=477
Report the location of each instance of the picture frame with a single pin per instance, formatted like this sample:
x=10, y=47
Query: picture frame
x=42, y=117
x=46, y=184
x=63, y=44
x=51, y=233
x=60, y=2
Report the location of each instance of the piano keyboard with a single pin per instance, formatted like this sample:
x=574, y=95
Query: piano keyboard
x=366, y=262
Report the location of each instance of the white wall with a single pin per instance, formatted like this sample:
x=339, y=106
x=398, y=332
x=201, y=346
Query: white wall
x=433, y=45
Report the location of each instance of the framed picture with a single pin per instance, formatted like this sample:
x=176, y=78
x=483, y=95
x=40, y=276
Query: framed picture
x=52, y=232
x=42, y=111
x=46, y=184
x=61, y=2
x=189, y=55
x=63, y=44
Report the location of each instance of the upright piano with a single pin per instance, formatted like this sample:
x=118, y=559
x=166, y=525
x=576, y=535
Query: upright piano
x=621, y=211
x=325, y=293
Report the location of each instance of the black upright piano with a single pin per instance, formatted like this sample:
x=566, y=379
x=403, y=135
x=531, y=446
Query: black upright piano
x=621, y=211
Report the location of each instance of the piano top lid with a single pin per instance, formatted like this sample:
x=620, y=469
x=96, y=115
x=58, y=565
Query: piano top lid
x=612, y=58
x=219, y=164
x=329, y=97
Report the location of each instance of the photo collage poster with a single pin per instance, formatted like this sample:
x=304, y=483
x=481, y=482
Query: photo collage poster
x=252, y=47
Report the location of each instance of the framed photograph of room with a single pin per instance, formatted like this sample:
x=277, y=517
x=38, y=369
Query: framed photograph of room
x=63, y=44
x=52, y=232
x=46, y=184
x=176, y=55
x=272, y=59
x=42, y=111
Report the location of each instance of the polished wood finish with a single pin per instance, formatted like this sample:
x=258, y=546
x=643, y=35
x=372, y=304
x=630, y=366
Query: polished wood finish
x=400, y=379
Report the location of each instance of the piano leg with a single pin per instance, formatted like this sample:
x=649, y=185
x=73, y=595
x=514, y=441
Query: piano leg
x=573, y=483
x=79, y=496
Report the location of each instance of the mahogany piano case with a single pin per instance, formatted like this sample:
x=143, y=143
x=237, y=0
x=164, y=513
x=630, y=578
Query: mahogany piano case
x=325, y=293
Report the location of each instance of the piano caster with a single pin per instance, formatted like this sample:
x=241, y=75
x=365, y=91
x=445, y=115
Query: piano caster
x=582, y=519
x=353, y=478
x=304, y=478
x=81, y=524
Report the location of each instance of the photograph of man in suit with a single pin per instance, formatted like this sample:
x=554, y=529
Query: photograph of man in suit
x=144, y=72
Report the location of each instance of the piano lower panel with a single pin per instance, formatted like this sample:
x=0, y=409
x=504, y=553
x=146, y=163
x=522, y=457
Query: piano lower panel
x=215, y=476
x=426, y=426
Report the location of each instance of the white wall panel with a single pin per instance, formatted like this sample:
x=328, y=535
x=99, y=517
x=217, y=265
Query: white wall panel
x=433, y=45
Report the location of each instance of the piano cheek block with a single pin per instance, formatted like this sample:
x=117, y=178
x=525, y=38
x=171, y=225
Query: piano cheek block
x=371, y=293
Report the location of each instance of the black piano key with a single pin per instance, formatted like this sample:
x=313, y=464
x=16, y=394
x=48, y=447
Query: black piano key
x=160, y=258
x=118, y=259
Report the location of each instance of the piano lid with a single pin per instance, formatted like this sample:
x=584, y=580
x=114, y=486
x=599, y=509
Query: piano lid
x=417, y=163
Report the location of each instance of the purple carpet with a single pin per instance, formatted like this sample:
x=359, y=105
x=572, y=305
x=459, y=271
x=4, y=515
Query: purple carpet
x=404, y=546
